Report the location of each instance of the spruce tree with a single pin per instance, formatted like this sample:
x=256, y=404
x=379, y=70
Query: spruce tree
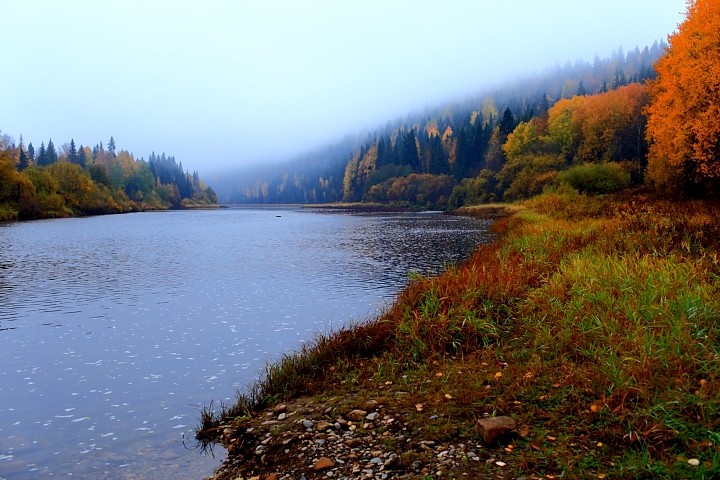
x=81, y=160
x=31, y=152
x=52, y=156
x=72, y=154
x=42, y=158
x=111, y=146
x=23, y=162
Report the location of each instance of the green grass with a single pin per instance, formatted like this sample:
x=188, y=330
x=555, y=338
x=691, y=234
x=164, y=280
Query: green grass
x=606, y=310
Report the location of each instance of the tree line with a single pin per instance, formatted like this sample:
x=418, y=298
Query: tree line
x=421, y=160
x=80, y=180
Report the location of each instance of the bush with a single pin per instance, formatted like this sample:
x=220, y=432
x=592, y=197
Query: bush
x=596, y=178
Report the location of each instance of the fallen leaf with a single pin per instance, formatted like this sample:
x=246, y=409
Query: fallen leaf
x=448, y=396
x=550, y=438
x=557, y=385
x=388, y=382
x=594, y=408
x=524, y=431
x=694, y=462
x=599, y=444
x=601, y=475
x=500, y=464
x=498, y=375
x=419, y=407
x=535, y=446
x=439, y=374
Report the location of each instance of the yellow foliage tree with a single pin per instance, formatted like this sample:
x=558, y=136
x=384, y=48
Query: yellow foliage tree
x=684, y=112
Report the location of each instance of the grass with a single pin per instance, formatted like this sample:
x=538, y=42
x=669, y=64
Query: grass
x=606, y=310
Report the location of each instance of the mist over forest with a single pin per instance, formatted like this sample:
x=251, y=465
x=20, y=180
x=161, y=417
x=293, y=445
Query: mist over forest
x=437, y=146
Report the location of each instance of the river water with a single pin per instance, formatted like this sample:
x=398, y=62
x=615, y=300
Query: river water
x=116, y=330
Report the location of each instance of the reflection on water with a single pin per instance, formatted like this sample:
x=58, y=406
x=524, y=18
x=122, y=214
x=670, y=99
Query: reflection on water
x=115, y=330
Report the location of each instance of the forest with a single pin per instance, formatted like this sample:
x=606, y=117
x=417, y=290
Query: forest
x=79, y=180
x=575, y=124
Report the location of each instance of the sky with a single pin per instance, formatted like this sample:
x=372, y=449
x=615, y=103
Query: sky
x=221, y=84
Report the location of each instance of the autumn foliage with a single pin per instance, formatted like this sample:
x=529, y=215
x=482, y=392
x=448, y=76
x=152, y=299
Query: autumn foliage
x=684, y=113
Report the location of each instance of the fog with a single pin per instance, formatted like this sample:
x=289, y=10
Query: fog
x=222, y=84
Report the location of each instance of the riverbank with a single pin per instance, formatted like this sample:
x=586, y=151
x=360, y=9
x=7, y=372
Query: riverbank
x=592, y=324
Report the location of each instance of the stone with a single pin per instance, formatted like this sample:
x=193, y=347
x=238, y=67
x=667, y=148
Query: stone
x=372, y=416
x=272, y=476
x=371, y=405
x=307, y=424
x=282, y=416
x=356, y=415
x=495, y=429
x=322, y=425
x=280, y=408
x=323, y=463
x=353, y=442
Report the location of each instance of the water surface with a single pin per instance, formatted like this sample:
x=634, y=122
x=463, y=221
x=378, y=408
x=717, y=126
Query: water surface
x=116, y=330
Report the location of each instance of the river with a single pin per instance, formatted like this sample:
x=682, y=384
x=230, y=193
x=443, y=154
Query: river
x=116, y=330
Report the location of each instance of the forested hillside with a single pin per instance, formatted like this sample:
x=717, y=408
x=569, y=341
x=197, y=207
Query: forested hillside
x=79, y=180
x=457, y=153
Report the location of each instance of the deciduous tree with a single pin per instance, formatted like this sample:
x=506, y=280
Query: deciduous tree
x=684, y=112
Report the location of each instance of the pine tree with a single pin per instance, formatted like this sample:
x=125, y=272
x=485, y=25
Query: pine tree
x=581, y=92
x=72, y=153
x=81, y=159
x=52, y=156
x=31, y=152
x=23, y=161
x=111, y=146
x=42, y=158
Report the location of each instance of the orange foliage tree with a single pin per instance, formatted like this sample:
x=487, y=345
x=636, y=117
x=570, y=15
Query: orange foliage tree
x=684, y=111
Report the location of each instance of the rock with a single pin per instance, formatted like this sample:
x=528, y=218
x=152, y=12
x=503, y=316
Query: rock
x=282, y=416
x=280, y=408
x=371, y=405
x=356, y=415
x=322, y=425
x=372, y=416
x=417, y=466
x=272, y=476
x=307, y=424
x=353, y=442
x=323, y=463
x=495, y=429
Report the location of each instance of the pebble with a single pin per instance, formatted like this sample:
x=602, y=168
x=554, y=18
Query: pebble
x=341, y=449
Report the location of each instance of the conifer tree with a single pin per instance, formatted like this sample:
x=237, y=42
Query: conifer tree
x=42, y=158
x=23, y=161
x=51, y=153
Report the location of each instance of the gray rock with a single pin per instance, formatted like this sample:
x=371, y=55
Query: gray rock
x=307, y=423
x=372, y=416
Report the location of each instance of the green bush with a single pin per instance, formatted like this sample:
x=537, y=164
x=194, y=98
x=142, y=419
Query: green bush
x=596, y=178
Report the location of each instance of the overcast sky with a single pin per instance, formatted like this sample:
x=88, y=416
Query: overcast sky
x=226, y=83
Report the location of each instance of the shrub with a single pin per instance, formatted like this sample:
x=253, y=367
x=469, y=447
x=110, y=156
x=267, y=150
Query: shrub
x=596, y=178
